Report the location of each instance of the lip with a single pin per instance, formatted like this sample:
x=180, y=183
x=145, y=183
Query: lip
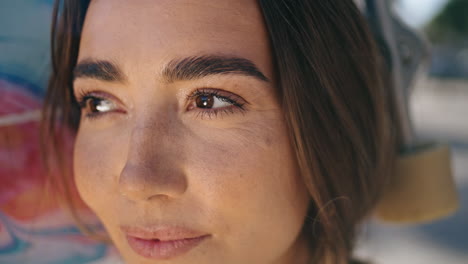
x=163, y=242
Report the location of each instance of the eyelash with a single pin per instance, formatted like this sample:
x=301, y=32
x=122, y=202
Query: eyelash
x=210, y=113
x=83, y=97
x=215, y=112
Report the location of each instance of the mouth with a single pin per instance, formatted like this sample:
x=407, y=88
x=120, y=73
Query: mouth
x=162, y=243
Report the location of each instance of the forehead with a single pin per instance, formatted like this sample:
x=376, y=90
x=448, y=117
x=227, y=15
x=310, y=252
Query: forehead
x=152, y=31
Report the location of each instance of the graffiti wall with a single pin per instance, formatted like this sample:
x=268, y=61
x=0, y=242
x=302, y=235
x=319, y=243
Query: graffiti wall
x=33, y=226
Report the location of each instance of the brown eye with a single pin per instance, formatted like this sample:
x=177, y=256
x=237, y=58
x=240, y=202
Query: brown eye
x=212, y=101
x=92, y=104
x=98, y=105
x=205, y=101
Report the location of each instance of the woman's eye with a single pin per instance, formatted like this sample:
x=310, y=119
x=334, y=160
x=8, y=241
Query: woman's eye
x=93, y=105
x=213, y=102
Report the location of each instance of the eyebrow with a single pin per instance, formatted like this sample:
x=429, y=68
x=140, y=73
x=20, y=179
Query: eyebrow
x=100, y=70
x=184, y=69
x=201, y=66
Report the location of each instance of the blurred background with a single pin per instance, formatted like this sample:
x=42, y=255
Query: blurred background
x=34, y=230
x=439, y=112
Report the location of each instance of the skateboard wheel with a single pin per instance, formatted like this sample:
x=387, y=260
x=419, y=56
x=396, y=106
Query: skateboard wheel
x=422, y=188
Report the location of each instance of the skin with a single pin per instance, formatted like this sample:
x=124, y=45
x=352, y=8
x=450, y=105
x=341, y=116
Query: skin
x=155, y=158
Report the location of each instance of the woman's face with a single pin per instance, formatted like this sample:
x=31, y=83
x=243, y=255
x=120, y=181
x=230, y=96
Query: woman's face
x=182, y=150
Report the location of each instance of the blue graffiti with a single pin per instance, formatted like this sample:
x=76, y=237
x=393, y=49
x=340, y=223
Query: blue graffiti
x=71, y=250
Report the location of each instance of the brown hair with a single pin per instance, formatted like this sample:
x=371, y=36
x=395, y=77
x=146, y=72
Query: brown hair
x=335, y=105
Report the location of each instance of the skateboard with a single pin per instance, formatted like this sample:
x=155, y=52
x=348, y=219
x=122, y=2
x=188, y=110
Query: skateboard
x=422, y=188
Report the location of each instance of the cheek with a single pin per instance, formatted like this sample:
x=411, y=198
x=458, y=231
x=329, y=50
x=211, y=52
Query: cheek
x=97, y=163
x=250, y=176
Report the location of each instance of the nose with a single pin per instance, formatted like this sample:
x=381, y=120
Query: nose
x=153, y=167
